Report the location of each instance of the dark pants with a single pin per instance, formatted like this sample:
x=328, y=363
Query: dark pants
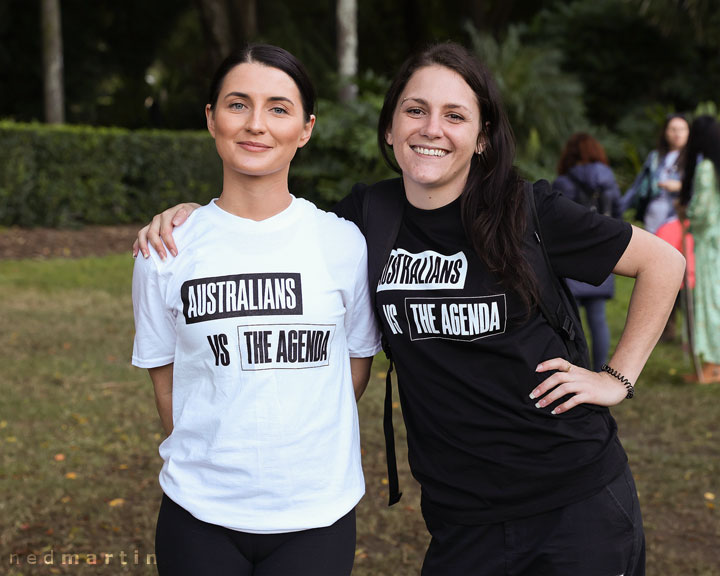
x=599, y=536
x=599, y=330
x=186, y=546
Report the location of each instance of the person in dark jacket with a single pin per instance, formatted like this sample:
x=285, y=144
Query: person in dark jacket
x=586, y=178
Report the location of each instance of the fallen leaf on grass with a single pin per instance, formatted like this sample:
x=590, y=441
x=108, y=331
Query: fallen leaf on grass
x=71, y=476
x=709, y=496
x=384, y=481
x=65, y=499
x=3, y=424
x=59, y=457
x=10, y=439
x=116, y=502
x=80, y=419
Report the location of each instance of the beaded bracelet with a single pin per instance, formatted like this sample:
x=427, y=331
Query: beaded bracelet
x=625, y=381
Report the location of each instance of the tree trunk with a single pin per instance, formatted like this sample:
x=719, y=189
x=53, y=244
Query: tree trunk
x=347, y=48
x=216, y=20
x=246, y=17
x=52, y=62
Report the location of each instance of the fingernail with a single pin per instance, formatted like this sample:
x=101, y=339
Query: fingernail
x=146, y=255
x=553, y=413
x=537, y=368
x=173, y=252
x=532, y=395
x=538, y=405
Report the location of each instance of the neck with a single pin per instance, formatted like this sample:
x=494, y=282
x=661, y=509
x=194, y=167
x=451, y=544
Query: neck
x=431, y=198
x=254, y=197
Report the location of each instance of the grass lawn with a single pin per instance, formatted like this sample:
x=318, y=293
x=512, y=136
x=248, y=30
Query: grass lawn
x=79, y=436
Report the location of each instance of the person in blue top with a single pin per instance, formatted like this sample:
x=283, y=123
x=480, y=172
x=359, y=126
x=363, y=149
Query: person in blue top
x=657, y=187
x=586, y=178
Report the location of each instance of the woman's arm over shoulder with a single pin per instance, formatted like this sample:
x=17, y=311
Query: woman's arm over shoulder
x=159, y=233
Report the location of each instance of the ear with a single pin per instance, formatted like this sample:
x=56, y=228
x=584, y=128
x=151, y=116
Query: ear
x=389, y=138
x=482, y=139
x=210, y=119
x=307, y=131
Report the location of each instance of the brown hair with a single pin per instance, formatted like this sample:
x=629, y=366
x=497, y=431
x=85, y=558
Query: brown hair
x=581, y=148
x=493, y=200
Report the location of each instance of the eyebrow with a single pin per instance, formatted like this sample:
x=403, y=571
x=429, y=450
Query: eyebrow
x=247, y=97
x=424, y=102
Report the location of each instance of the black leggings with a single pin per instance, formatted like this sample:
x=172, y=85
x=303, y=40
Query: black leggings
x=186, y=546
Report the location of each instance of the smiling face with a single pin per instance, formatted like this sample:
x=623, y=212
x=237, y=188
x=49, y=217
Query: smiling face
x=258, y=121
x=434, y=133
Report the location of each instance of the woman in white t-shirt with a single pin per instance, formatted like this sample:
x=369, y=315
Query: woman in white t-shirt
x=258, y=336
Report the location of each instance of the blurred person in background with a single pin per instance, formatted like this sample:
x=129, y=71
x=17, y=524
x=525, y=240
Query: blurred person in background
x=656, y=188
x=700, y=199
x=586, y=178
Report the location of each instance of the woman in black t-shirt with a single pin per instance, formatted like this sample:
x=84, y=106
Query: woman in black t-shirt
x=517, y=455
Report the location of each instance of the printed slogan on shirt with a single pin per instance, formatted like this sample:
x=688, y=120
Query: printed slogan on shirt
x=427, y=270
x=269, y=294
x=289, y=346
x=461, y=318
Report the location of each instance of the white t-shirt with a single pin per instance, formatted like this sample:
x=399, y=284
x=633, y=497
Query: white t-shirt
x=260, y=320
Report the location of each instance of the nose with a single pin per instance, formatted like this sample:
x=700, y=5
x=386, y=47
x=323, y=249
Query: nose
x=432, y=127
x=255, y=123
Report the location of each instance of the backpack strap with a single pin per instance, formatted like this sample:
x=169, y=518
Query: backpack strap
x=555, y=300
x=386, y=201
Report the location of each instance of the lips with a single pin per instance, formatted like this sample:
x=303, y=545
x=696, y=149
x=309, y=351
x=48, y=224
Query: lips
x=432, y=152
x=251, y=146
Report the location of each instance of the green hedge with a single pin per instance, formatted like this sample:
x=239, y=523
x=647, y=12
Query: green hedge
x=68, y=175
x=60, y=176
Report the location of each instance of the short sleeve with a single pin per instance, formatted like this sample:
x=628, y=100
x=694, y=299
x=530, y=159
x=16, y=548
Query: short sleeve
x=581, y=243
x=363, y=335
x=155, y=332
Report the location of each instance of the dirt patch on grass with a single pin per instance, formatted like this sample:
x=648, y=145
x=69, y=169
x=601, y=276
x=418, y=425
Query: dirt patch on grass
x=19, y=243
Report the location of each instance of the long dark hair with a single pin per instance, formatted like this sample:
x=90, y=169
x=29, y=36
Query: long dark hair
x=704, y=140
x=274, y=57
x=492, y=201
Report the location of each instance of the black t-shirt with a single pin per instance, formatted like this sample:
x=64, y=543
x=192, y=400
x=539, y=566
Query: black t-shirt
x=466, y=353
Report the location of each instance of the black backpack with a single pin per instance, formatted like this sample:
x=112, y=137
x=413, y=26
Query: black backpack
x=386, y=201
x=592, y=198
